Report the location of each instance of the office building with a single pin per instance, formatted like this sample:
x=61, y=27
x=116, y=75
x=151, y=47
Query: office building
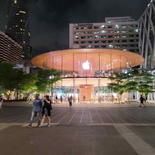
x=17, y=26
x=147, y=36
x=10, y=51
x=115, y=33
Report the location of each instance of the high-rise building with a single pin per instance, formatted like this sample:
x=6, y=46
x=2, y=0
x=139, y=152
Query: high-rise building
x=10, y=51
x=116, y=33
x=147, y=36
x=17, y=26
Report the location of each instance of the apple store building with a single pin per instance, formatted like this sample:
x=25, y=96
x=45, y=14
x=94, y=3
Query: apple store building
x=85, y=71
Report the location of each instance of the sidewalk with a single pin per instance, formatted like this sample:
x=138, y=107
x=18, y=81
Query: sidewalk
x=84, y=129
x=82, y=104
x=108, y=104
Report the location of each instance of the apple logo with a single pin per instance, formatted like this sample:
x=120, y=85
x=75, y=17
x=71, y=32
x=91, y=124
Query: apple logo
x=86, y=65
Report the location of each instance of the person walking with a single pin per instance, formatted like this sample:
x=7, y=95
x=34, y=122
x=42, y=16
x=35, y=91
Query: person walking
x=36, y=112
x=84, y=98
x=142, y=99
x=70, y=99
x=61, y=98
x=56, y=99
x=29, y=98
x=47, y=107
x=1, y=101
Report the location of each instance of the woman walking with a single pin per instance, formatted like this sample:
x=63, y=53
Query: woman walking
x=142, y=99
x=70, y=100
x=46, y=112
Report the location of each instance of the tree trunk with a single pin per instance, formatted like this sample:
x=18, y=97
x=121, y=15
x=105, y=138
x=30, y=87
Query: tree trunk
x=17, y=94
x=9, y=96
x=119, y=98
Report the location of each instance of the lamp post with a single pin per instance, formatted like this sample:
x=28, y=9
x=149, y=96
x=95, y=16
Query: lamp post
x=51, y=92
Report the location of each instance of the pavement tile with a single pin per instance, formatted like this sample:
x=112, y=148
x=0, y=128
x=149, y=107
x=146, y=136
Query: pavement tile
x=147, y=133
x=63, y=140
x=75, y=131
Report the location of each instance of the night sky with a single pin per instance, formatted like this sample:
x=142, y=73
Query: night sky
x=49, y=19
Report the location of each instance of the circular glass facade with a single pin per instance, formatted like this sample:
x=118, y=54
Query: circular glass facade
x=85, y=71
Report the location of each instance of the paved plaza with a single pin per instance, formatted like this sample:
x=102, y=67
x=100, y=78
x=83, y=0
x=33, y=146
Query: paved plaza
x=84, y=129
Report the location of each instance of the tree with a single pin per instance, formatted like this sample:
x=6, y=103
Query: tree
x=44, y=80
x=8, y=76
x=28, y=82
x=118, y=84
x=145, y=82
x=12, y=79
x=127, y=82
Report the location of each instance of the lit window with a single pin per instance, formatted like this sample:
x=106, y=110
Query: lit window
x=103, y=36
x=125, y=50
x=110, y=46
x=21, y=20
x=136, y=30
x=116, y=26
x=29, y=34
x=15, y=1
x=123, y=31
x=76, y=37
x=102, y=26
x=103, y=31
x=22, y=12
x=21, y=29
x=17, y=14
x=96, y=36
x=96, y=32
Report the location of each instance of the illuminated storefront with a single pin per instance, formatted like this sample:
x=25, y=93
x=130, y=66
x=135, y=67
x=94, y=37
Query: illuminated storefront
x=85, y=71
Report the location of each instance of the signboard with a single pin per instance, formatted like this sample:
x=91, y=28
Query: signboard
x=85, y=25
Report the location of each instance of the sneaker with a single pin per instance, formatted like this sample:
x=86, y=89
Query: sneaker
x=48, y=125
x=29, y=126
x=39, y=125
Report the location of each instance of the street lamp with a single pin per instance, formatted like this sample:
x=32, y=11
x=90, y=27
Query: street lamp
x=51, y=77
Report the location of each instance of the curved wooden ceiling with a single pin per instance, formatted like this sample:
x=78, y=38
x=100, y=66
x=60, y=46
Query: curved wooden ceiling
x=99, y=59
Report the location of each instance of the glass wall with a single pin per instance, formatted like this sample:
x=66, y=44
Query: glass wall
x=85, y=75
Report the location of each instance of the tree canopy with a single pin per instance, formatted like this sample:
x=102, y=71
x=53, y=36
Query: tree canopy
x=47, y=78
x=127, y=82
x=15, y=79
